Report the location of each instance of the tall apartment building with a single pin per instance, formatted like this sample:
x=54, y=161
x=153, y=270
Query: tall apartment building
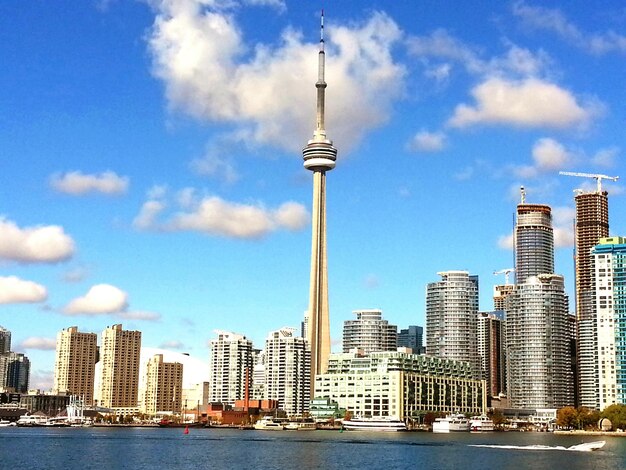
x=14, y=372
x=369, y=332
x=5, y=340
x=451, y=317
x=119, y=375
x=491, y=334
x=609, y=268
x=534, y=241
x=413, y=338
x=592, y=224
x=75, y=364
x=164, y=386
x=538, y=344
x=288, y=371
x=231, y=368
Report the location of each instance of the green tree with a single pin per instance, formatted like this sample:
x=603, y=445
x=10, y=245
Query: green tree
x=587, y=418
x=616, y=414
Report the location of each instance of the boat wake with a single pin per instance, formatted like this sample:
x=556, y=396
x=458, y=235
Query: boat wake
x=584, y=447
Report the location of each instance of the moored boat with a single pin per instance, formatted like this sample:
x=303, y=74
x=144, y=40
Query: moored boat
x=382, y=423
x=268, y=423
x=481, y=423
x=451, y=423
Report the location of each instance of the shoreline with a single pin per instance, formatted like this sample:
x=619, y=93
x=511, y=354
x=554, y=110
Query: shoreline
x=579, y=432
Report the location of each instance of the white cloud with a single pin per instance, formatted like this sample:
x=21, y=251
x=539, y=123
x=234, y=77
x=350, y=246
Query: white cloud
x=139, y=315
x=371, y=282
x=14, y=290
x=605, y=157
x=214, y=165
x=173, y=344
x=148, y=214
x=563, y=225
x=41, y=244
x=425, y=141
x=41, y=379
x=215, y=216
x=76, y=274
x=506, y=241
x=549, y=19
x=36, y=342
x=441, y=45
x=527, y=103
x=209, y=72
x=550, y=155
x=100, y=299
x=77, y=183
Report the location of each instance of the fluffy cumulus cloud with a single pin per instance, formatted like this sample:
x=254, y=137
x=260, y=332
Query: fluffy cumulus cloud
x=213, y=215
x=550, y=19
x=36, y=342
x=550, y=155
x=99, y=300
x=527, y=103
x=14, y=290
x=425, y=141
x=77, y=183
x=40, y=244
x=200, y=53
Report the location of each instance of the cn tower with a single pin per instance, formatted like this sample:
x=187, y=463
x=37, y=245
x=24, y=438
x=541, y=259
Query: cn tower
x=319, y=156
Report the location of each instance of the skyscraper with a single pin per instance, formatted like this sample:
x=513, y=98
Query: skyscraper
x=164, y=386
x=5, y=340
x=288, y=371
x=537, y=320
x=609, y=281
x=369, y=332
x=534, y=241
x=231, y=367
x=75, y=364
x=492, y=351
x=319, y=157
x=119, y=375
x=451, y=310
x=592, y=224
x=412, y=337
x=538, y=344
x=14, y=372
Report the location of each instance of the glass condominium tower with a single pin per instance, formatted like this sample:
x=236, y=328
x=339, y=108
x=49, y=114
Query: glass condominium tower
x=537, y=325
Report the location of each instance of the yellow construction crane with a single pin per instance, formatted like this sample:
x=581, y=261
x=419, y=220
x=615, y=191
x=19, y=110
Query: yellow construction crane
x=506, y=273
x=598, y=178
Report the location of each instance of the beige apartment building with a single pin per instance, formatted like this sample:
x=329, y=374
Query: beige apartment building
x=119, y=376
x=164, y=386
x=75, y=364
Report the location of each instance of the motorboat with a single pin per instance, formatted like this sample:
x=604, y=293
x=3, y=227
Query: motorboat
x=268, y=423
x=382, y=423
x=305, y=425
x=451, y=423
x=481, y=423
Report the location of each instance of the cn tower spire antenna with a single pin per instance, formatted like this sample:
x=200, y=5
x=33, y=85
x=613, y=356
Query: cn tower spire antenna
x=319, y=156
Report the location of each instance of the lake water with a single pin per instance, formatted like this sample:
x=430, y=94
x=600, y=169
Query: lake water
x=155, y=448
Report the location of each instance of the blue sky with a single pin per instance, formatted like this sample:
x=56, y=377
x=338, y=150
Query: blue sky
x=151, y=156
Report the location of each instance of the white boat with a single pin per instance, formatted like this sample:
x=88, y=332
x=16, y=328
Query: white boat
x=587, y=446
x=32, y=420
x=306, y=425
x=452, y=423
x=269, y=424
x=382, y=423
x=5, y=423
x=481, y=423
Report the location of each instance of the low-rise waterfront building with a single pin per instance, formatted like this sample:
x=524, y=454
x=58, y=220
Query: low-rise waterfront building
x=401, y=384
